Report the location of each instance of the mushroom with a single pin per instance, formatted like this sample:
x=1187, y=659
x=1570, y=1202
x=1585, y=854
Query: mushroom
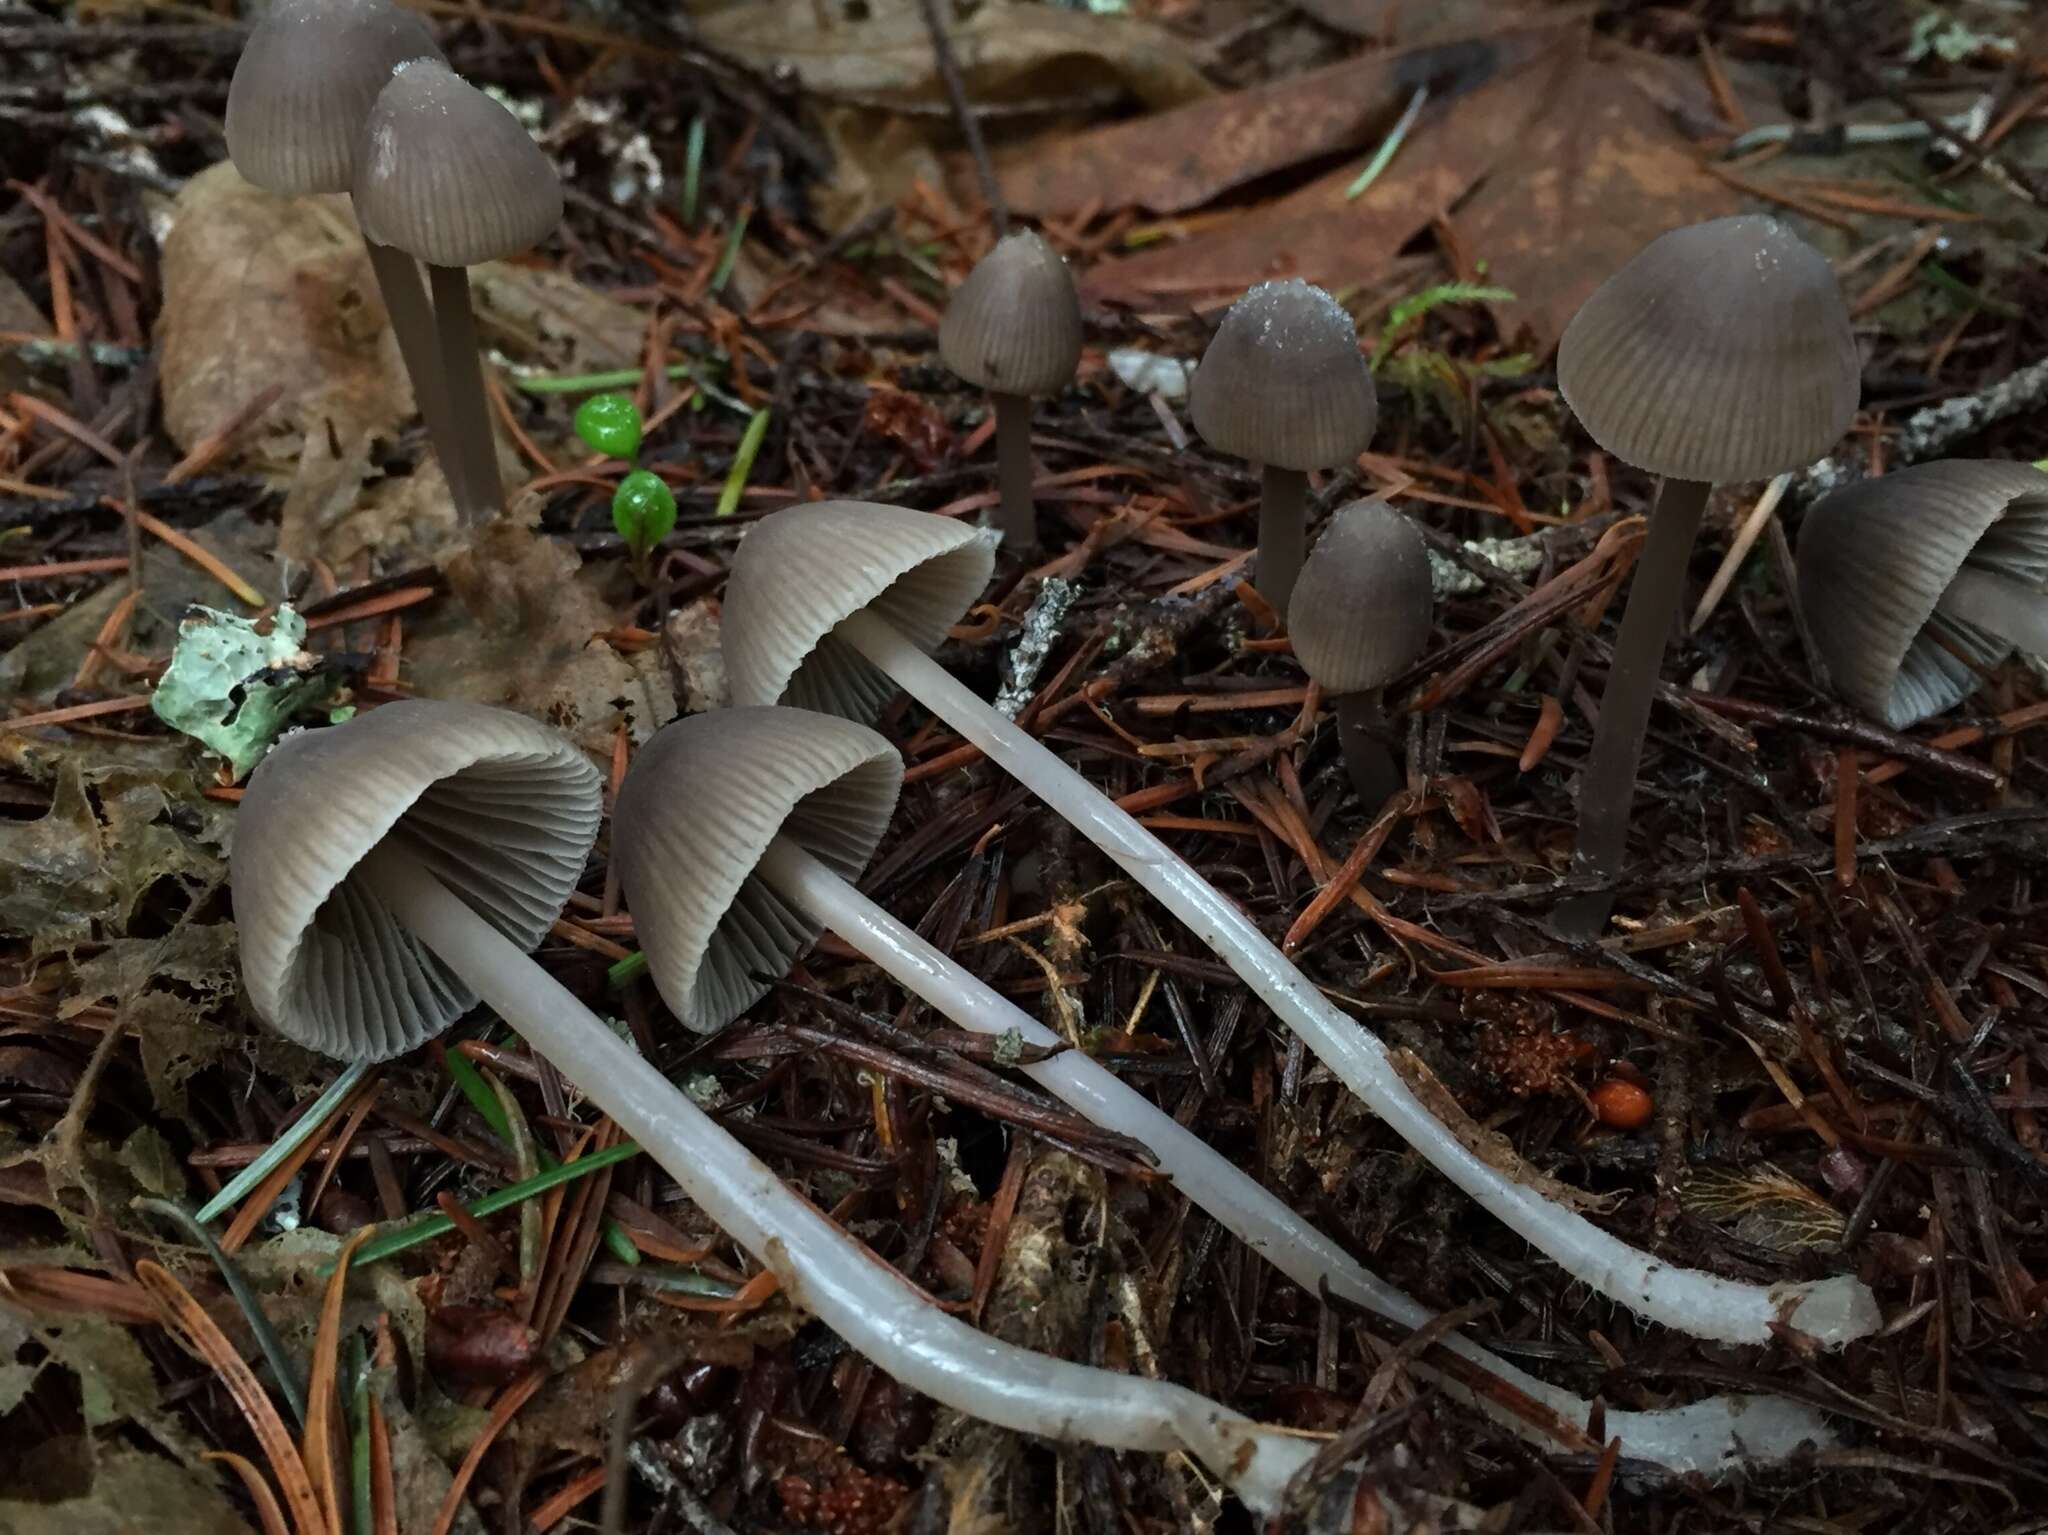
x=1284, y=385
x=1360, y=615
x=1721, y=352
x=391, y=871
x=738, y=834
x=1014, y=329
x=833, y=607
x=296, y=106
x=1914, y=585
x=449, y=177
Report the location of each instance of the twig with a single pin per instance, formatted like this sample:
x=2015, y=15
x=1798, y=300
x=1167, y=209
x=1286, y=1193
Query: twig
x=1930, y=431
x=963, y=114
x=1745, y=540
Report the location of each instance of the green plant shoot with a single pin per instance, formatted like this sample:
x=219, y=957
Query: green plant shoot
x=644, y=511
x=610, y=423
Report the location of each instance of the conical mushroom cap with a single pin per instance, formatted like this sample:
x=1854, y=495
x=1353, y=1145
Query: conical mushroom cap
x=1361, y=611
x=804, y=570
x=1721, y=352
x=1875, y=558
x=704, y=799
x=1014, y=327
x=1284, y=383
x=303, y=87
x=447, y=175
x=501, y=809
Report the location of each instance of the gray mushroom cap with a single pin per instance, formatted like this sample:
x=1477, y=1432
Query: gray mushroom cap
x=1014, y=327
x=447, y=175
x=804, y=570
x=1283, y=381
x=703, y=801
x=1721, y=352
x=502, y=810
x=303, y=88
x=1875, y=558
x=1361, y=612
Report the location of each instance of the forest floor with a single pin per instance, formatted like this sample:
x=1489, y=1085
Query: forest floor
x=1824, y=993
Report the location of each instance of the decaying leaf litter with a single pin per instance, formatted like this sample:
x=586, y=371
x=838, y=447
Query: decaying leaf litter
x=1810, y=1048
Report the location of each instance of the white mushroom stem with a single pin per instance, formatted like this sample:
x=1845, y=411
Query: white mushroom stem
x=2010, y=609
x=821, y=1268
x=1708, y=1435
x=1832, y=1311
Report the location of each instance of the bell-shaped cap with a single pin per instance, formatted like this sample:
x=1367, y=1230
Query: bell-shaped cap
x=501, y=809
x=803, y=571
x=1721, y=352
x=447, y=175
x=1014, y=327
x=704, y=799
x=1876, y=557
x=1361, y=611
x=303, y=87
x=1283, y=382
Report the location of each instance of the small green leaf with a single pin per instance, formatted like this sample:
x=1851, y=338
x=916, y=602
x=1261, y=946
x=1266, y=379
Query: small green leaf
x=643, y=510
x=610, y=423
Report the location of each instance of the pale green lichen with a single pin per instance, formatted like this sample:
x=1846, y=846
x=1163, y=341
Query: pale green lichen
x=234, y=689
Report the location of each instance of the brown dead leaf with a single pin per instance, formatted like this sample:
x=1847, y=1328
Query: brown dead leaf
x=908, y=422
x=877, y=157
x=1320, y=234
x=546, y=318
x=263, y=291
x=695, y=658
x=879, y=50
x=1172, y=161
x=522, y=636
x=1400, y=22
x=1597, y=177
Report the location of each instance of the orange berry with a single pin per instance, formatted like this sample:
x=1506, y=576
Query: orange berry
x=1621, y=1103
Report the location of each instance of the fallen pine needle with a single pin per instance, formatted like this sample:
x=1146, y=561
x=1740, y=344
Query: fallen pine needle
x=184, y=1316
x=268, y=1514
x=502, y=1413
x=317, y=1450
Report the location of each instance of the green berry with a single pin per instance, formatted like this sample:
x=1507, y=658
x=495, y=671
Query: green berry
x=643, y=510
x=610, y=423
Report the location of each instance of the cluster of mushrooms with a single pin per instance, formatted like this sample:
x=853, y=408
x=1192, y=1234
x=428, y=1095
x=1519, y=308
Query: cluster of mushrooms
x=355, y=97
x=392, y=872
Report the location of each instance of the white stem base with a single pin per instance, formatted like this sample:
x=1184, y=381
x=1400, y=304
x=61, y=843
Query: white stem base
x=821, y=1268
x=1833, y=1311
x=1710, y=1435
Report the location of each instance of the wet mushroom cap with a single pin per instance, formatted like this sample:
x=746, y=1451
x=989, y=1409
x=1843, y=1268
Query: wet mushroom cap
x=501, y=809
x=1722, y=352
x=304, y=84
x=1875, y=558
x=447, y=175
x=1283, y=381
x=1362, y=611
x=1014, y=327
x=801, y=571
x=703, y=801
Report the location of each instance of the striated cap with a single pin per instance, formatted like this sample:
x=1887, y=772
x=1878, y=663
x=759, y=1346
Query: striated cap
x=803, y=571
x=704, y=799
x=1284, y=383
x=502, y=809
x=1014, y=326
x=303, y=87
x=1721, y=352
x=447, y=175
x=1876, y=557
x=1361, y=611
